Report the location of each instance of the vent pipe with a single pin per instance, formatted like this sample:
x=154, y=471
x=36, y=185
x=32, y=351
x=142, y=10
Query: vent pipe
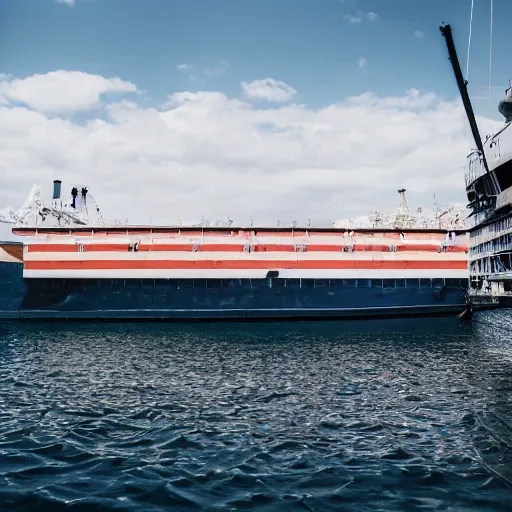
x=56, y=189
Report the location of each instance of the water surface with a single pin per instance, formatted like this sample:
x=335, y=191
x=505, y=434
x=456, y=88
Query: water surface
x=377, y=415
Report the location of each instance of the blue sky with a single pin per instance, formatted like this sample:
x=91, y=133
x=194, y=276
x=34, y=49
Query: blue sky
x=310, y=44
x=275, y=109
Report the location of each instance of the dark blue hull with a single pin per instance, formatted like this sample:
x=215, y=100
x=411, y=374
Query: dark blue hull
x=209, y=299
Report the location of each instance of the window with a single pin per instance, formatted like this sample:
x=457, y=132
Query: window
x=258, y=283
x=292, y=283
x=438, y=281
x=200, y=284
x=75, y=284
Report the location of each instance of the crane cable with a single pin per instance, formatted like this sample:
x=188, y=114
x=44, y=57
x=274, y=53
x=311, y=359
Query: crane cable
x=490, y=60
x=469, y=41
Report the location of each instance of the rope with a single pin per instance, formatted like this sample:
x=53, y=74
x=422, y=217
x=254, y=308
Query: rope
x=469, y=41
x=490, y=60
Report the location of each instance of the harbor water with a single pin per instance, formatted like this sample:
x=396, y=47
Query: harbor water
x=412, y=414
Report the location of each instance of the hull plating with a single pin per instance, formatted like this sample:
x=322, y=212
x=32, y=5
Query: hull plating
x=203, y=299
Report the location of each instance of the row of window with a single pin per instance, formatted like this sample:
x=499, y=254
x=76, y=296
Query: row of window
x=497, y=244
x=478, y=284
x=243, y=283
x=492, y=265
x=494, y=228
x=502, y=243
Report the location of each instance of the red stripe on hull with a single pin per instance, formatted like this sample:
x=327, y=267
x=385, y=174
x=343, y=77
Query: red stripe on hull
x=166, y=247
x=105, y=247
x=52, y=248
x=237, y=248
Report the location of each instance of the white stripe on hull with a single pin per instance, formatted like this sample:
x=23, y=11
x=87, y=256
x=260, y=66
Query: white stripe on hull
x=246, y=274
x=243, y=256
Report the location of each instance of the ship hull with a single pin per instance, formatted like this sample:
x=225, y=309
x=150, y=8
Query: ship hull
x=12, y=289
x=223, y=299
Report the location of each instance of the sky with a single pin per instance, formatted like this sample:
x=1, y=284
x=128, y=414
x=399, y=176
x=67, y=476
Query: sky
x=273, y=110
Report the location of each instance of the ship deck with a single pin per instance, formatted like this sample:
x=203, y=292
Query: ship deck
x=297, y=230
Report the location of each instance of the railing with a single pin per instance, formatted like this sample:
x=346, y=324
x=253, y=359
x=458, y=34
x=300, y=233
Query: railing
x=474, y=169
x=497, y=147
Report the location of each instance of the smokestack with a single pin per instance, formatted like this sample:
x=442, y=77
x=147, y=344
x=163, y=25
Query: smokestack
x=56, y=189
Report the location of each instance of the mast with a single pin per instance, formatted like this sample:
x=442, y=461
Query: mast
x=446, y=30
x=404, y=207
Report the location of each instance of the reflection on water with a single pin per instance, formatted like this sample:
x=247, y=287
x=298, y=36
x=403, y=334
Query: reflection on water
x=381, y=415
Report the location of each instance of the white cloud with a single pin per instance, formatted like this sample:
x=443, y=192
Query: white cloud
x=360, y=16
x=268, y=89
x=361, y=62
x=206, y=154
x=418, y=34
x=413, y=100
x=189, y=68
x=66, y=2
x=61, y=91
x=219, y=69
x=352, y=19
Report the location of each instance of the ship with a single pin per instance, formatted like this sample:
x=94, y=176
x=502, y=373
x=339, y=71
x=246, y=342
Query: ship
x=73, y=265
x=488, y=177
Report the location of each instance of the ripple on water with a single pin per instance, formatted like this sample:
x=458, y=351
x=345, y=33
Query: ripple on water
x=386, y=415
